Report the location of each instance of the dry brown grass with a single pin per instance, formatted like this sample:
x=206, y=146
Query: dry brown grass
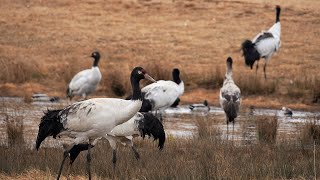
x=46, y=43
x=310, y=132
x=267, y=129
x=198, y=158
x=14, y=130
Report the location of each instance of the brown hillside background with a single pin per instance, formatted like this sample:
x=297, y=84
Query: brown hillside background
x=44, y=43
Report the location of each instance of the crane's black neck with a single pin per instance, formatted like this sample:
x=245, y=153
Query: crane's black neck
x=136, y=95
x=278, y=9
x=176, y=77
x=96, y=61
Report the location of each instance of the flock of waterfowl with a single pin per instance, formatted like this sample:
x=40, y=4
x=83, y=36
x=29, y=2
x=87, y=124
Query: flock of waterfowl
x=89, y=120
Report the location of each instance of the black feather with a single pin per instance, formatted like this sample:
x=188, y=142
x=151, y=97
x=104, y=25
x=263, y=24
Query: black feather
x=250, y=53
x=176, y=102
x=146, y=103
x=278, y=10
x=153, y=127
x=76, y=149
x=49, y=126
x=231, y=111
x=264, y=35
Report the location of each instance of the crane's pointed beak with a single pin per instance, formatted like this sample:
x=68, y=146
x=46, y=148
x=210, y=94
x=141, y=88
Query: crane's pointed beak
x=149, y=78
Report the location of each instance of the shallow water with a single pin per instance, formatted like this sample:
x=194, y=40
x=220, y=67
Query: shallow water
x=178, y=122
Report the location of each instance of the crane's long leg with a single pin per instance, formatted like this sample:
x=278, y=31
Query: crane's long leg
x=65, y=155
x=257, y=67
x=227, y=129
x=89, y=161
x=129, y=142
x=136, y=154
x=113, y=143
x=232, y=131
x=264, y=70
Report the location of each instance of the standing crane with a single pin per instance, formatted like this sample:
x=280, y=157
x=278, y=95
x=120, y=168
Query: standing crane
x=89, y=120
x=86, y=81
x=230, y=96
x=264, y=45
x=162, y=94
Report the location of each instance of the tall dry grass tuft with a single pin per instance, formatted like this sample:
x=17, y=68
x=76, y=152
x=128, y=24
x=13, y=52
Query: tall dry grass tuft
x=267, y=129
x=253, y=85
x=19, y=71
x=115, y=82
x=206, y=130
x=210, y=79
x=305, y=86
x=310, y=132
x=160, y=72
x=14, y=131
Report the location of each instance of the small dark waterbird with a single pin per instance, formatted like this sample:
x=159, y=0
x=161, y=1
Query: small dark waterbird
x=264, y=45
x=204, y=105
x=90, y=120
x=230, y=96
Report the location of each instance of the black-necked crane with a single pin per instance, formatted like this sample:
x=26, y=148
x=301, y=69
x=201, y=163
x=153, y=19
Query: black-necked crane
x=141, y=124
x=162, y=94
x=89, y=120
x=230, y=96
x=86, y=81
x=264, y=45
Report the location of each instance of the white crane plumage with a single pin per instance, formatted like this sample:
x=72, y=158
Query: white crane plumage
x=89, y=120
x=230, y=96
x=162, y=94
x=264, y=45
x=86, y=81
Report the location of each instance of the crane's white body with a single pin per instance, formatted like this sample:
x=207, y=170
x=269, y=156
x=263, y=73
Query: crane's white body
x=85, y=82
x=268, y=45
x=94, y=118
x=230, y=95
x=128, y=128
x=163, y=93
x=231, y=89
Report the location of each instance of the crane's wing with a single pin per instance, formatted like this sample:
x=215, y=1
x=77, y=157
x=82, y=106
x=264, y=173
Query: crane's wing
x=79, y=79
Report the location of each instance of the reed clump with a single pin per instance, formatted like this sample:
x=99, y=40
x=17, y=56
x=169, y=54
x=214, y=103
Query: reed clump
x=267, y=129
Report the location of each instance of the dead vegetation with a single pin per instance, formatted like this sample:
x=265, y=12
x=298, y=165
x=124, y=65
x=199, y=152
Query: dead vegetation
x=206, y=156
x=46, y=43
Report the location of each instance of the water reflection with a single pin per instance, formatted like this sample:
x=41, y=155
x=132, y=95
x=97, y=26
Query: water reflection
x=178, y=122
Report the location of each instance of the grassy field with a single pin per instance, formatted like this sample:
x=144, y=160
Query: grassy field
x=44, y=43
x=204, y=156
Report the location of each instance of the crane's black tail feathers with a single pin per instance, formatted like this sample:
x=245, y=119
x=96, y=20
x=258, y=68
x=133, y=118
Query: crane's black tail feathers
x=76, y=149
x=153, y=127
x=49, y=126
x=176, y=102
x=250, y=53
x=231, y=111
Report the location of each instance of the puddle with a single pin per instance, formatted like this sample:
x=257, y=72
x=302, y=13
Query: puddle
x=178, y=122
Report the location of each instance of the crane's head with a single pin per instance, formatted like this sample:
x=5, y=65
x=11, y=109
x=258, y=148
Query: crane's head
x=176, y=75
x=139, y=73
x=95, y=55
